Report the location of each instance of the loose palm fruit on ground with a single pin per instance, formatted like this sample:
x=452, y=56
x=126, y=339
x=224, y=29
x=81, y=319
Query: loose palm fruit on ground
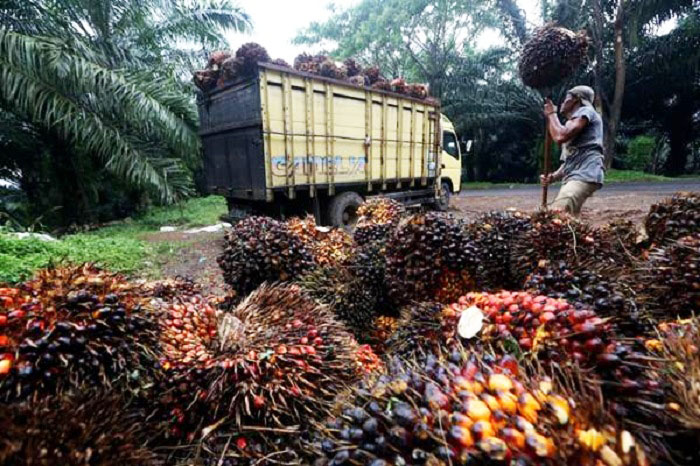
x=376, y=219
x=259, y=249
x=73, y=327
x=551, y=55
x=669, y=282
x=421, y=249
x=327, y=247
x=90, y=429
x=492, y=235
x=434, y=412
x=673, y=218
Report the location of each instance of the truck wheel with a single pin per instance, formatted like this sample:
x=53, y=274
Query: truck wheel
x=342, y=211
x=445, y=195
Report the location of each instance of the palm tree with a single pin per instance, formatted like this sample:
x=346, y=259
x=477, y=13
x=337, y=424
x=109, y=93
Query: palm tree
x=103, y=79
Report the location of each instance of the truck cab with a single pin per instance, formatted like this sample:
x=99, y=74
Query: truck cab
x=450, y=160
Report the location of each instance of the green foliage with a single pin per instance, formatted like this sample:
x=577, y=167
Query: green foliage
x=640, y=152
x=21, y=257
x=621, y=176
x=94, y=101
x=121, y=248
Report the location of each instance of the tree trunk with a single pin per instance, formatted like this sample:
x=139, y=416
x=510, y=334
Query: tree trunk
x=597, y=32
x=616, y=107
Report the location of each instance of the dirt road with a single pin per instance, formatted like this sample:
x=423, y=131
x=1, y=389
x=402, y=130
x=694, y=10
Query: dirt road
x=626, y=200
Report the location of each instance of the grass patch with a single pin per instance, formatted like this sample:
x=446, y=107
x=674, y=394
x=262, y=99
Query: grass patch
x=491, y=185
x=624, y=176
x=119, y=247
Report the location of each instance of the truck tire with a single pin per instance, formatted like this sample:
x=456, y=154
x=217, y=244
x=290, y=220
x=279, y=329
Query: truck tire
x=445, y=196
x=342, y=211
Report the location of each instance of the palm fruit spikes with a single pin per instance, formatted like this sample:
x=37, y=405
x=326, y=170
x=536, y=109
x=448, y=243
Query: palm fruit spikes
x=346, y=296
x=92, y=429
x=674, y=218
x=260, y=249
x=328, y=247
x=70, y=328
x=421, y=249
x=376, y=219
x=551, y=55
x=433, y=412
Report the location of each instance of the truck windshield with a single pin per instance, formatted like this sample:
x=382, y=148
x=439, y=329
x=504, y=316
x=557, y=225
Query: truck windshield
x=449, y=144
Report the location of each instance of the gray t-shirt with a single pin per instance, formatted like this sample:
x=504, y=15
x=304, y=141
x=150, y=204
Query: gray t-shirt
x=584, y=154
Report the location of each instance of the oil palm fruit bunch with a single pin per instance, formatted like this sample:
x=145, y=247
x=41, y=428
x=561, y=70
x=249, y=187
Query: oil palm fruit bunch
x=329, y=69
x=465, y=412
x=70, y=328
x=280, y=62
x=551, y=55
x=609, y=298
x=669, y=282
x=368, y=265
x=328, y=247
x=418, y=91
x=277, y=360
x=250, y=54
x=372, y=74
x=353, y=68
x=421, y=249
x=555, y=237
x=346, y=296
x=259, y=249
x=673, y=218
x=382, y=330
x=90, y=429
x=376, y=219
x=493, y=234
x=382, y=85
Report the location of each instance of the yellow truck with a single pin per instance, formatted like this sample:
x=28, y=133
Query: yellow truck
x=285, y=142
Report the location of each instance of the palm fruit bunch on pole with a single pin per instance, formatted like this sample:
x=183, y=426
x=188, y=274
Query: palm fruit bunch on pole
x=259, y=249
x=608, y=297
x=346, y=296
x=90, y=429
x=669, y=282
x=673, y=218
x=73, y=327
x=467, y=412
x=555, y=238
x=277, y=360
x=328, y=247
x=420, y=251
x=493, y=234
x=376, y=219
x=551, y=55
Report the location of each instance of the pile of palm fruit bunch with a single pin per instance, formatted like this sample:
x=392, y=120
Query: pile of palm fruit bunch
x=224, y=67
x=551, y=55
x=260, y=249
x=429, y=256
x=71, y=328
x=376, y=219
x=470, y=411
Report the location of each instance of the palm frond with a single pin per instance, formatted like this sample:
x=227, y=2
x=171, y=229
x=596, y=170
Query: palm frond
x=75, y=98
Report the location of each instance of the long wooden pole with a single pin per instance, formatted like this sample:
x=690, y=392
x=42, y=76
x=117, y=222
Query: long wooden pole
x=547, y=160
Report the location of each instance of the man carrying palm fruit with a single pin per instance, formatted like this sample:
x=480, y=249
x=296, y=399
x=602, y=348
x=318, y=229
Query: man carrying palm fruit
x=581, y=139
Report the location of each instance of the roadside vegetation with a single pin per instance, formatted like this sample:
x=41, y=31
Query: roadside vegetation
x=121, y=247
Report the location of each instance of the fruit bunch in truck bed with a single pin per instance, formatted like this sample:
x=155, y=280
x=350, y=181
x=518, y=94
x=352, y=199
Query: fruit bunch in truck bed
x=224, y=68
x=419, y=339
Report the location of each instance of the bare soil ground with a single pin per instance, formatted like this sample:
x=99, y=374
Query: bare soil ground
x=197, y=258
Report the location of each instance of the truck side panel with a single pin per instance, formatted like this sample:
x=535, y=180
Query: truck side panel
x=325, y=143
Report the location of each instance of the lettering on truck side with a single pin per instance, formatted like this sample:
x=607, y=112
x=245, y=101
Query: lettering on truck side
x=338, y=164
